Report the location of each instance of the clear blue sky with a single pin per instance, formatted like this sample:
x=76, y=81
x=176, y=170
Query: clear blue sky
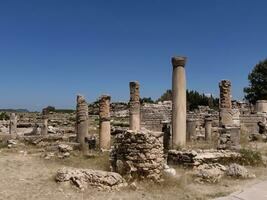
x=50, y=50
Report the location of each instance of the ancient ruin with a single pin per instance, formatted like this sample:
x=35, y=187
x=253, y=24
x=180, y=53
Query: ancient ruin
x=104, y=120
x=13, y=124
x=134, y=106
x=82, y=121
x=226, y=118
x=138, y=155
x=178, y=102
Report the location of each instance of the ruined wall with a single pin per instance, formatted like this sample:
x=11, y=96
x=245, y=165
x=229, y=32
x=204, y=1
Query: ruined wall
x=138, y=155
x=249, y=122
x=152, y=115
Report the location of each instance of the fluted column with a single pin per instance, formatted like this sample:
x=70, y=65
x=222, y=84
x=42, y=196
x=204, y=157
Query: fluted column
x=178, y=102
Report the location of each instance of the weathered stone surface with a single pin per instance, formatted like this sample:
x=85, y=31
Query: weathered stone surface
x=211, y=173
x=225, y=94
x=134, y=103
x=65, y=148
x=13, y=124
x=83, y=178
x=196, y=158
x=104, y=127
x=238, y=171
x=82, y=121
x=229, y=138
x=138, y=155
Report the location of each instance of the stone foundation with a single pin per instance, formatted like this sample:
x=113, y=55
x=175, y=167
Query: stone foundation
x=199, y=157
x=229, y=138
x=138, y=155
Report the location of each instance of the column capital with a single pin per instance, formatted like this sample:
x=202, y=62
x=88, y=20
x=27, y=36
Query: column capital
x=178, y=61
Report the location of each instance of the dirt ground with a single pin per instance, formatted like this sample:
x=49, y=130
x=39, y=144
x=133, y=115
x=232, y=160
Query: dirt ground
x=24, y=174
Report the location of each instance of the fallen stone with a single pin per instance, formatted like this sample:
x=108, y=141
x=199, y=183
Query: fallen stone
x=238, y=171
x=65, y=148
x=82, y=178
x=211, y=173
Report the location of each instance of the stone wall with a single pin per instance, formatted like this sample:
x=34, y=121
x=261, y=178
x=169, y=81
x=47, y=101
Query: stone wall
x=138, y=155
x=152, y=115
x=249, y=122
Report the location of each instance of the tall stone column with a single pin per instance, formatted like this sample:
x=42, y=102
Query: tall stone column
x=82, y=122
x=104, y=116
x=226, y=118
x=208, y=128
x=134, y=106
x=190, y=129
x=44, y=128
x=178, y=102
x=13, y=124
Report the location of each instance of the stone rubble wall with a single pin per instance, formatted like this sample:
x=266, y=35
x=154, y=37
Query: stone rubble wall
x=229, y=138
x=138, y=155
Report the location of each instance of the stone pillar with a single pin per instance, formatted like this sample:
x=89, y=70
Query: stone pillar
x=190, y=129
x=44, y=128
x=134, y=106
x=208, y=128
x=13, y=124
x=166, y=129
x=178, y=102
x=261, y=106
x=82, y=122
x=226, y=118
x=104, y=117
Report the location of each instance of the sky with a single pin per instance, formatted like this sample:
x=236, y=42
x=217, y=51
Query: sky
x=52, y=50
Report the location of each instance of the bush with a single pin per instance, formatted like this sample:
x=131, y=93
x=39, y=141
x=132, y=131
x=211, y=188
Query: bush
x=4, y=116
x=250, y=157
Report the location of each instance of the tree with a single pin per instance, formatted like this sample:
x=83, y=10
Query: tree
x=257, y=89
x=194, y=99
x=146, y=100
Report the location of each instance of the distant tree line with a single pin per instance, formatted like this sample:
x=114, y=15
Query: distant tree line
x=194, y=99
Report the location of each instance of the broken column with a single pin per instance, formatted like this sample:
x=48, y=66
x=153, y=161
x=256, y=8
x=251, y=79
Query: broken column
x=82, y=122
x=44, y=128
x=178, y=102
x=261, y=106
x=208, y=128
x=134, y=106
x=226, y=118
x=13, y=124
x=104, y=117
x=190, y=129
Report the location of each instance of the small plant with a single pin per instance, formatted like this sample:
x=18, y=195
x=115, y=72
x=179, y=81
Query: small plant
x=4, y=116
x=250, y=157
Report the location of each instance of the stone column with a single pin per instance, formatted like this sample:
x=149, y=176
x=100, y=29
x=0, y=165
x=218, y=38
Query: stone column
x=178, y=102
x=190, y=129
x=208, y=128
x=44, y=128
x=261, y=106
x=82, y=122
x=134, y=106
x=104, y=117
x=13, y=124
x=226, y=118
